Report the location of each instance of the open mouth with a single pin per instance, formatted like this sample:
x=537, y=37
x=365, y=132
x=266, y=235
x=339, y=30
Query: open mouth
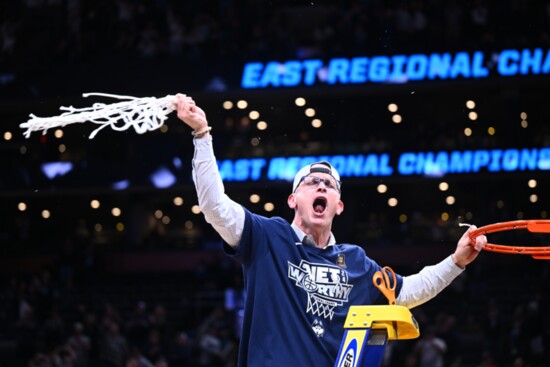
x=319, y=205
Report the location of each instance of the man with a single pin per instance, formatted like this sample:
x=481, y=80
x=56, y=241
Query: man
x=299, y=282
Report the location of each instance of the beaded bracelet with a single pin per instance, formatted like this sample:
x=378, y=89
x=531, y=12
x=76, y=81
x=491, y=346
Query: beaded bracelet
x=200, y=134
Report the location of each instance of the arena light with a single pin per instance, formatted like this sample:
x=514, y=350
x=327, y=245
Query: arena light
x=54, y=169
x=163, y=178
x=121, y=185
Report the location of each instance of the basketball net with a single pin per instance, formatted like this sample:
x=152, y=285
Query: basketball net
x=319, y=306
x=143, y=114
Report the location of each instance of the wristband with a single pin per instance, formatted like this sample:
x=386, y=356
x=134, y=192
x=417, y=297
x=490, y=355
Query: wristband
x=200, y=134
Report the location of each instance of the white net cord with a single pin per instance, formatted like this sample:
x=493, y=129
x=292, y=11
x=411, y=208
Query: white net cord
x=142, y=113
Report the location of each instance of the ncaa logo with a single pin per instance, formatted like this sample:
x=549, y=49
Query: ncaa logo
x=349, y=356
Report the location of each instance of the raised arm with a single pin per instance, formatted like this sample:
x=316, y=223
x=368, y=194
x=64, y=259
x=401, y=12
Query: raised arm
x=225, y=215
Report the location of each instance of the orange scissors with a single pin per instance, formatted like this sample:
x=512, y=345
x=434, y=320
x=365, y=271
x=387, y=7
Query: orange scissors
x=382, y=281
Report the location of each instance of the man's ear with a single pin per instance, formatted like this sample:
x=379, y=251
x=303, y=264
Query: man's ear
x=291, y=201
x=339, y=207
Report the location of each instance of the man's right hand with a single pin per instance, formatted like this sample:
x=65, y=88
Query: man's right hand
x=190, y=113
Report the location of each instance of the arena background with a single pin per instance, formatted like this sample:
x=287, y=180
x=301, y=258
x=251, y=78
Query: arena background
x=101, y=243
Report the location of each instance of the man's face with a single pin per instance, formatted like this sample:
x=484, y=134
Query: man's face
x=316, y=200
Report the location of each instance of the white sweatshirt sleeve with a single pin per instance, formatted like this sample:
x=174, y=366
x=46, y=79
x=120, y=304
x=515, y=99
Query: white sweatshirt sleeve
x=425, y=285
x=224, y=214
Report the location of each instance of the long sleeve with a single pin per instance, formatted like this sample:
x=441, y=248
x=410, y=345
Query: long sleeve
x=425, y=285
x=225, y=215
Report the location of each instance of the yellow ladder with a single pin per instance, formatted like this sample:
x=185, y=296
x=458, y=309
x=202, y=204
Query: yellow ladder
x=367, y=331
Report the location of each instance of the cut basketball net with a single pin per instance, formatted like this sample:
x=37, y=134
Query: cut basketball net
x=142, y=113
x=533, y=225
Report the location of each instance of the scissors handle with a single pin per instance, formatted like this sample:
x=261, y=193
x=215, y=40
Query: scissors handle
x=386, y=285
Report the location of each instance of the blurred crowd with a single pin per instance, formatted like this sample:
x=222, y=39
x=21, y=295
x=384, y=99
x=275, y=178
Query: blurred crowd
x=36, y=33
x=54, y=318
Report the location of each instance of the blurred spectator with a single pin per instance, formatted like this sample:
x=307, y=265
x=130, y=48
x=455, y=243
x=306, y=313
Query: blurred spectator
x=211, y=348
x=430, y=349
x=81, y=344
x=494, y=326
x=137, y=325
x=158, y=319
x=153, y=349
x=471, y=342
x=26, y=330
x=182, y=350
x=216, y=341
x=113, y=346
x=137, y=359
x=54, y=329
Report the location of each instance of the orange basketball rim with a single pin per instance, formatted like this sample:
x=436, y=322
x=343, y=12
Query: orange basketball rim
x=532, y=225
